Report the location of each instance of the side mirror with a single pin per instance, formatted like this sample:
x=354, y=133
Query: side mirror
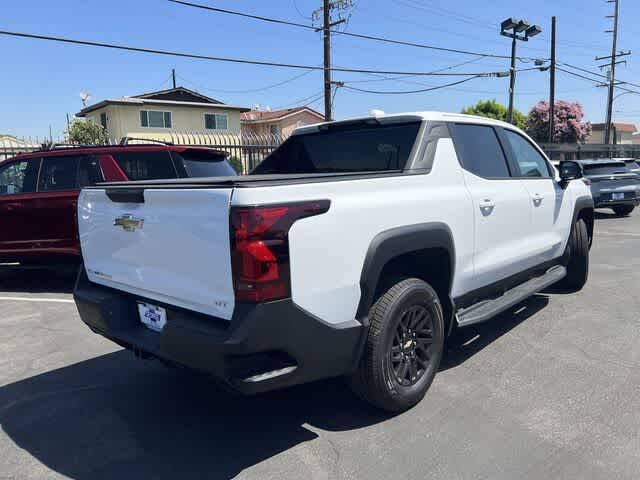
x=569, y=170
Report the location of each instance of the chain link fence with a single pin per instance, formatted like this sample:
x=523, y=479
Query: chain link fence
x=244, y=149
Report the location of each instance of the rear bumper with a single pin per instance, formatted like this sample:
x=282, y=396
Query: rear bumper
x=263, y=347
x=602, y=203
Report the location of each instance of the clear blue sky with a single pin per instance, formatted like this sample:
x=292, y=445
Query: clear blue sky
x=42, y=81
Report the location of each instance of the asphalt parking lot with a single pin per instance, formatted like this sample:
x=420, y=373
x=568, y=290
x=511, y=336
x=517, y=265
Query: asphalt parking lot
x=550, y=389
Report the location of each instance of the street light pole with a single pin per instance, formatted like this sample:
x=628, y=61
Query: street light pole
x=511, y=28
x=512, y=77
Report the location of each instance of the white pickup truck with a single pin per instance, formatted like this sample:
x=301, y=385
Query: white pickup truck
x=354, y=249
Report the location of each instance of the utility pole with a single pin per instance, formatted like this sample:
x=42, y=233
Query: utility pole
x=552, y=81
x=173, y=77
x=326, y=37
x=327, y=24
x=612, y=72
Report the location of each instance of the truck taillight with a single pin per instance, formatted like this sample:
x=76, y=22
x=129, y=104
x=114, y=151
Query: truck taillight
x=260, y=248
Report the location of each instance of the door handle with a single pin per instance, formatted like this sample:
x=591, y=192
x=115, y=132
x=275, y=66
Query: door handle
x=487, y=203
x=537, y=199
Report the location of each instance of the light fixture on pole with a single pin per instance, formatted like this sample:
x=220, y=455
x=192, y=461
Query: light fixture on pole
x=511, y=28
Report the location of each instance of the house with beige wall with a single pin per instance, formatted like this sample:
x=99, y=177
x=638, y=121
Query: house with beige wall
x=278, y=122
x=621, y=133
x=156, y=115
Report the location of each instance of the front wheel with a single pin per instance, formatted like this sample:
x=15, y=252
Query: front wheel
x=623, y=210
x=578, y=250
x=403, y=348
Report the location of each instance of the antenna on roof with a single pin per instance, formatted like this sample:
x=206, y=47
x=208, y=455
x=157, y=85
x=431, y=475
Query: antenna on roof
x=84, y=96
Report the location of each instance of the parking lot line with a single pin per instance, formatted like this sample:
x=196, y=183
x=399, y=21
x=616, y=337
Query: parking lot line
x=37, y=299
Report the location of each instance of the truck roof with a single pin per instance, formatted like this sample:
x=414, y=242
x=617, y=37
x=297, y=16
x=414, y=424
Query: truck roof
x=409, y=116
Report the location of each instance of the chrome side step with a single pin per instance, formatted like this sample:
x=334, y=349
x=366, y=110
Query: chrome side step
x=486, y=309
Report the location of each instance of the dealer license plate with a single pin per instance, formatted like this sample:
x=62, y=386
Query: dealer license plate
x=152, y=316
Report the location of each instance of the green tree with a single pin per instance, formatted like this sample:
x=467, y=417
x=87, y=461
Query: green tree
x=87, y=133
x=495, y=110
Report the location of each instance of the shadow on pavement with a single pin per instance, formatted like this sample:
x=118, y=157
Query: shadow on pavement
x=116, y=417
x=466, y=342
x=58, y=279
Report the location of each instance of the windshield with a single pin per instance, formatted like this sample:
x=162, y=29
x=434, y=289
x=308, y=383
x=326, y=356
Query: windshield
x=361, y=147
x=632, y=165
x=197, y=163
x=605, y=169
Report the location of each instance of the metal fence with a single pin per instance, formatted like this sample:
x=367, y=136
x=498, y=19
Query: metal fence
x=245, y=149
x=576, y=151
x=10, y=145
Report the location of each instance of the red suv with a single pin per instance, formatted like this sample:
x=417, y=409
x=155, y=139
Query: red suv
x=39, y=191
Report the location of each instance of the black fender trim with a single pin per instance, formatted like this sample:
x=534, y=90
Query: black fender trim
x=582, y=204
x=395, y=242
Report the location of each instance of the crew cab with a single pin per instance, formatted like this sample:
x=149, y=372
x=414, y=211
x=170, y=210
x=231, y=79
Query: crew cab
x=613, y=184
x=354, y=249
x=39, y=191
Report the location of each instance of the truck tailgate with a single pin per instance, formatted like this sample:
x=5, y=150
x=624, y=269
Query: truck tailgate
x=173, y=247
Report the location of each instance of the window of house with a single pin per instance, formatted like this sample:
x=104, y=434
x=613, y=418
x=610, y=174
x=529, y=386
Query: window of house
x=274, y=129
x=155, y=119
x=103, y=120
x=479, y=150
x=19, y=177
x=216, y=121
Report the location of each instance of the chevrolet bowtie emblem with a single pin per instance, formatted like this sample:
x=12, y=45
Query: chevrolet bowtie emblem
x=128, y=222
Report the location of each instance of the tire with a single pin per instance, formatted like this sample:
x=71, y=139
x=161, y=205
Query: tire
x=403, y=348
x=623, y=210
x=578, y=250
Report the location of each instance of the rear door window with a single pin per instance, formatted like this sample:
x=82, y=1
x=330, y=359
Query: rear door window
x=19, y=177
x=479, y=151
x=89, y=172
x=58, y=173
x=361, y=147
x=146, y=165
x=199, y=163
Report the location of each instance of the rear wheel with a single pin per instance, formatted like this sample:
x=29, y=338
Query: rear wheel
x=623, y=210
x=578, y=250
x=403, y=347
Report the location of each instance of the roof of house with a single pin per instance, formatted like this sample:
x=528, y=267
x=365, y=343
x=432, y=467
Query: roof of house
x=620, y=127
x=258, y=116
x=179, y=96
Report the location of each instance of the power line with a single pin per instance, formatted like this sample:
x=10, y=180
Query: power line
x=340, y=32
x=395, y=92
x=599, y=74
x=436, y=87
x=229, y=59
x=295, y=5
x=251, y=90
x=599, y=82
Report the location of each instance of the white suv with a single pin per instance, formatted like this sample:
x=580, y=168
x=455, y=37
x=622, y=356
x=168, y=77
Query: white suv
x=354, y=249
